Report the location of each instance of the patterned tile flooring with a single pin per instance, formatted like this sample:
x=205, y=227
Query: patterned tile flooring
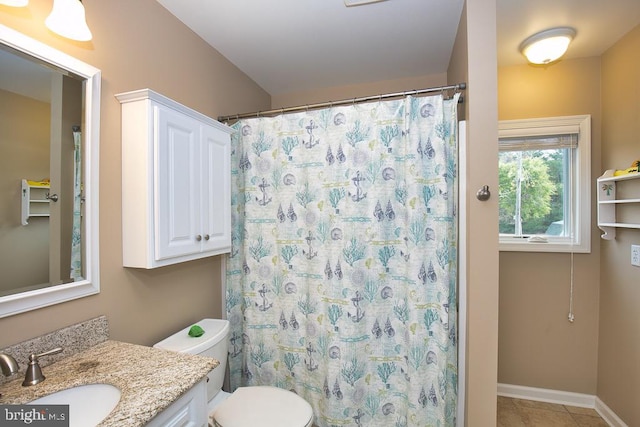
x=528, y=413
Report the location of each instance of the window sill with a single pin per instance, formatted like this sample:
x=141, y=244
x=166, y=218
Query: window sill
x=509, y=245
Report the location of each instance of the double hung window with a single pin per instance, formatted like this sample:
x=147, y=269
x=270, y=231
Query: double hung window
x=544, y=184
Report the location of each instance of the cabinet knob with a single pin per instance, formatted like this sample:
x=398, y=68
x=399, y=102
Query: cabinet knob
x=198, y=238
x=206, y=237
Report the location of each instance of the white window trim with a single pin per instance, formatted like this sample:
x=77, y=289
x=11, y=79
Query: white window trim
x=551, y=126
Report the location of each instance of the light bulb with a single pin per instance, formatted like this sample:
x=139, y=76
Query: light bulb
x=547, y=46
x=15, y=3
x=67, y=19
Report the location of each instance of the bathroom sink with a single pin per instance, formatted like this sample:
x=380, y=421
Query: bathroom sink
x=88, y=404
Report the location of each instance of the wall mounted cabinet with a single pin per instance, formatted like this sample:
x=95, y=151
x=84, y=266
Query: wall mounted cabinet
x=35, y=200
x=618, y=202
x=176, y=197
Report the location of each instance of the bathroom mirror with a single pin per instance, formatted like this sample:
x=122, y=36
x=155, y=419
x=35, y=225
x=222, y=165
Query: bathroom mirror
x=49, y=147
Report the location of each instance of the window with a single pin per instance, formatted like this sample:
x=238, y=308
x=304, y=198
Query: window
x=544, y=184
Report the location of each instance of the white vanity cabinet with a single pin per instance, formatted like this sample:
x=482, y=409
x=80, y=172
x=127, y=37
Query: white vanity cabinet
x=190, y=410
x=176, y=197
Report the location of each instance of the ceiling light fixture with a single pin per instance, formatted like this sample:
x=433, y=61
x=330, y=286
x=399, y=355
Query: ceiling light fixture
x=67, y=19
x=350, y=3
x=547, y=46
x=15, y=3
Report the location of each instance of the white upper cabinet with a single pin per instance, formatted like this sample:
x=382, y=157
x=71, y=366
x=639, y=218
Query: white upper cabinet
x=176, y=200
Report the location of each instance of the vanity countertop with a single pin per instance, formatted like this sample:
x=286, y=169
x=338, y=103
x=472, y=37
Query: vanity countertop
x=149, y=379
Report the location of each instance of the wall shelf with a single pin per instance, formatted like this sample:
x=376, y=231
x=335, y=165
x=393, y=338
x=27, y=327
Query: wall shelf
x=35, y=201
x=609, y=205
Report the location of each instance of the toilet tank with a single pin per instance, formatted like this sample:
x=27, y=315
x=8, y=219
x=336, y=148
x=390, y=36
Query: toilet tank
x=213, y=343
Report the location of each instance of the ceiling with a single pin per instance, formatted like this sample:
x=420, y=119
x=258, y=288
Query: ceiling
x=296, y=45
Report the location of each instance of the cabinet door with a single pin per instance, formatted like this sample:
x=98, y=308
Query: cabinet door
x=177, y=185
x=216, y=192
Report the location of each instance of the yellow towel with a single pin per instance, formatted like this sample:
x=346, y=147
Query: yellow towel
x=43, y=183
x=635, y=166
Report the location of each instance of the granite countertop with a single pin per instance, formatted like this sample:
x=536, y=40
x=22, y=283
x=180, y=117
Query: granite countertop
x=149, y=379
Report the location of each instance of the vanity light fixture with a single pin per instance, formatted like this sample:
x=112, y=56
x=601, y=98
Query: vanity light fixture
x=67, y=19
x=547, y=46
x=15, y=3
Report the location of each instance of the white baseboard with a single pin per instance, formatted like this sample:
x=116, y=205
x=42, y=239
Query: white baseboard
x=608, y=415
x=546, y=395
x=562, y=398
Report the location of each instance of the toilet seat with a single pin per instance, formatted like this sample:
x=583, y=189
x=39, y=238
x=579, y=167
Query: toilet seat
x=263, y=406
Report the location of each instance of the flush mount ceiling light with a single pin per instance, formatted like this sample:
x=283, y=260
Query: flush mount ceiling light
x=547, y=46
x=15, y=3
x=68, y=20
x=350, y=3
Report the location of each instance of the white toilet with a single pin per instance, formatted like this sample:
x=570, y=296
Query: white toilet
x=248, y=406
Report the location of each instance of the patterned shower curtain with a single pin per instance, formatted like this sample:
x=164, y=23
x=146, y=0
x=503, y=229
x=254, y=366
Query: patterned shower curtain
x=341, y=284
x=76, y=231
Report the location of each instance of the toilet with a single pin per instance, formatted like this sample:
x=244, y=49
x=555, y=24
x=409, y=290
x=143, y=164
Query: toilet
x=263, y=406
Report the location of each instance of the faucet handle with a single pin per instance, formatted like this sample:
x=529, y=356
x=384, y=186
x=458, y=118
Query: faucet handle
x=34, y=374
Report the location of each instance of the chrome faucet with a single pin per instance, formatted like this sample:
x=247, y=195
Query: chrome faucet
x=34, y=372
x=8, y=365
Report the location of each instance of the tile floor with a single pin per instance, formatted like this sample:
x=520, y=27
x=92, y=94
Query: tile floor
x=528, y=413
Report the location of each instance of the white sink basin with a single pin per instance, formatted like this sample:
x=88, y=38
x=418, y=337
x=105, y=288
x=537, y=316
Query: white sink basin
x=88, y=404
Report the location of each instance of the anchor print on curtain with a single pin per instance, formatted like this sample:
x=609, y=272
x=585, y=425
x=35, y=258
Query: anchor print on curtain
x=341, y=283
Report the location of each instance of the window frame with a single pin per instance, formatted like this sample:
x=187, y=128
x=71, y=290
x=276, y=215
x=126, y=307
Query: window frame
x=580, y=124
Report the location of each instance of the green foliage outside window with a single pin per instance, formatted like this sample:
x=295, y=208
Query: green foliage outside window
x=541, y=189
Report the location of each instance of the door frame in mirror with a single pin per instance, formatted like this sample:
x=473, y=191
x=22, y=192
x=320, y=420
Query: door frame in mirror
x=31, y=300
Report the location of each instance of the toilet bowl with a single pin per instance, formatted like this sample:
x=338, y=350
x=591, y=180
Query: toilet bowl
x=262, y=406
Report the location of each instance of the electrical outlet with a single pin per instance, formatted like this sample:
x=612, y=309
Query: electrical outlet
x=635, y=255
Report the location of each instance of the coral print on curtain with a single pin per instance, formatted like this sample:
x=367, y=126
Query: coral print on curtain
x=341, y=284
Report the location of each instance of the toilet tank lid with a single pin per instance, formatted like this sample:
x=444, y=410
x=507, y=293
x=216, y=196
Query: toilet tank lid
x=215, y=330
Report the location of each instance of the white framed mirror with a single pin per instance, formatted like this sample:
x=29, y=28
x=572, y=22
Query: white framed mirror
x=55, y=206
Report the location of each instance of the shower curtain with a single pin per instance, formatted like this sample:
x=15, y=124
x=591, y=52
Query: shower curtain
x=76, y=231
x=341, y=283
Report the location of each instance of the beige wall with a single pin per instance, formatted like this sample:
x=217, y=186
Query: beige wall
x=24, y=144
x=138, y=44
x=339, y=93
x=619, y=347
x=475, y=55
x=538, y=346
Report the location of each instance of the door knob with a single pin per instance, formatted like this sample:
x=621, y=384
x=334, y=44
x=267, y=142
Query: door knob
x=483, y=194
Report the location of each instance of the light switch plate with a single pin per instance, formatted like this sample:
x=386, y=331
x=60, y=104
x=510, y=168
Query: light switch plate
x=635, y=255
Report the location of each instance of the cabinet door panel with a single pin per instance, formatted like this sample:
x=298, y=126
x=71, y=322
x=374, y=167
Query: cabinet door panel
x=216, y=193
x=177, y=190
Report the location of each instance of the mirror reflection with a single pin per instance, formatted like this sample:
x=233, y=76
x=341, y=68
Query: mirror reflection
x=40, y=174
x=49, y=169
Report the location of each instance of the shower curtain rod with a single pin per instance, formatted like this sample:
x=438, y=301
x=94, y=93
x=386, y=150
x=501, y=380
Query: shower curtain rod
x=459, y=86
